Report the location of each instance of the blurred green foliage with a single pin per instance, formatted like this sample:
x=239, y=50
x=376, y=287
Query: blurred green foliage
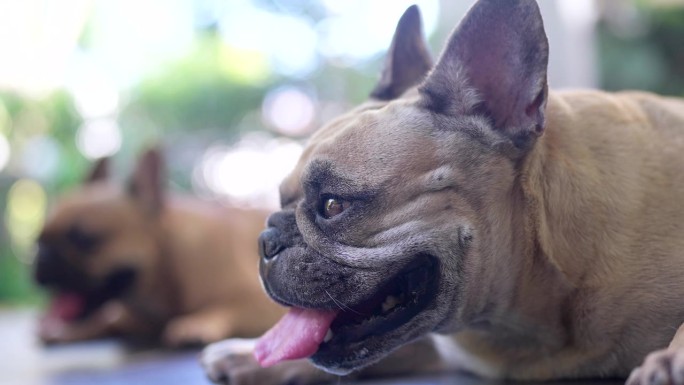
x=204, y=90
x=648, y=55
x=53, y=115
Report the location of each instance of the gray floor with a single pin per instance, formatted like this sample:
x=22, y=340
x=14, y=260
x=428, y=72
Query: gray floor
x=25, y=362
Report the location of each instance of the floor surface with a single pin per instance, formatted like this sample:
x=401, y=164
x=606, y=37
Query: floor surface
x=23, y=361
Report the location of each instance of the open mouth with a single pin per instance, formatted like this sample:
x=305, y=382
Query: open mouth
x=71, y=305
x=327, y=335
x=396, y=303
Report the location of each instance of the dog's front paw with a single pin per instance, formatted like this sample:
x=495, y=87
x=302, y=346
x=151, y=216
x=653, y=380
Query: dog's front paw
x=662, y=367
x=226, y=360
x=232, y=362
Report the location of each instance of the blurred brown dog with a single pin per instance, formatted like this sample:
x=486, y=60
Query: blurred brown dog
x=134, y=261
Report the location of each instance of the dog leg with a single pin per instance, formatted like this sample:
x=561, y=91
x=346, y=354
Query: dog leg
x=662, y=367
x=203, y=327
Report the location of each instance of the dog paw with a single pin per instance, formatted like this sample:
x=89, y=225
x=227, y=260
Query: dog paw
x=662, y=367
x=232, y=362
x=226, y=361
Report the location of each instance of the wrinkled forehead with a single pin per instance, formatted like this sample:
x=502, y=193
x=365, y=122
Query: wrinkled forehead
x=368, y=146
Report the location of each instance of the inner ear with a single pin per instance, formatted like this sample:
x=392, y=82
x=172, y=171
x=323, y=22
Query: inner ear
x=535, y=109
x=99, y=171
x=495, y=65
x=408, y=59
x=146, y=184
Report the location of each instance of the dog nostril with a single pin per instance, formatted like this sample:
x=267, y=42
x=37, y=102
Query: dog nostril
x=269, y=245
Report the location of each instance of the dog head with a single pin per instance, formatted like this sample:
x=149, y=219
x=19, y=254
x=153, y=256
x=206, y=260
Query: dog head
x=99, y=241
x=401, y=217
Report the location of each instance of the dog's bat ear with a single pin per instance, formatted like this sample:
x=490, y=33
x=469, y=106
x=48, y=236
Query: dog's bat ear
x=495, y=65
x=146, y=185
x=408, y=59
x=99, y=171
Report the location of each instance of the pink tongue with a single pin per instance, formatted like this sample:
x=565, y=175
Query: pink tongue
x=297, y=335
x=66, y=307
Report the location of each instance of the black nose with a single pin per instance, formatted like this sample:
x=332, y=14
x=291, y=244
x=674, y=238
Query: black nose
x=269, y=243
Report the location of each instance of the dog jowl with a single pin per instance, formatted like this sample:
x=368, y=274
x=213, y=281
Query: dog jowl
x=466, y=218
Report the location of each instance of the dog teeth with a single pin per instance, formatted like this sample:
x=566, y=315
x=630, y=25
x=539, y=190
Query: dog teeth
x=390, y=303
x=328, y=336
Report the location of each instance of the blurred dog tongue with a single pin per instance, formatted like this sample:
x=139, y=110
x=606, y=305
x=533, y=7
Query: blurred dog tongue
x=66, y=306
x=297, y=335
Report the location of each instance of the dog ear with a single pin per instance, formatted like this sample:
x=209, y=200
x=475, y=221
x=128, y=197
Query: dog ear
x=146, y=185
x=408, y=59
x=495, y=65
x=99, y=171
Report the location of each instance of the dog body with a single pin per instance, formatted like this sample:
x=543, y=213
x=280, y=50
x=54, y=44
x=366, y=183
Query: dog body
x=467, y=219
x=138, y=262
x=593, y=288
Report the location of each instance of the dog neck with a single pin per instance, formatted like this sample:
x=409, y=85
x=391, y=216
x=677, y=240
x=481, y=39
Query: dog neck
x=568, y=196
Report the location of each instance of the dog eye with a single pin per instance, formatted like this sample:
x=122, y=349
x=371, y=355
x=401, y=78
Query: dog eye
x=333, y=206
x=83, y=241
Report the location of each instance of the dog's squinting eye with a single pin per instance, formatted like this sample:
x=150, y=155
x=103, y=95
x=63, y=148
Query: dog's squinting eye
x=83, y=241
x=333, y=206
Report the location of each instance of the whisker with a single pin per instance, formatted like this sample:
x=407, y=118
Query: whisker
x=339, y=304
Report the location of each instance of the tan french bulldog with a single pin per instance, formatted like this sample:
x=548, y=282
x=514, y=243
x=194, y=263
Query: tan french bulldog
x=135, y=261
x=465, y=218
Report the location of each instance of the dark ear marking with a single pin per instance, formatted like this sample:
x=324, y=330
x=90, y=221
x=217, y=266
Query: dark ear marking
x=146, y=184
x=99, y=171
x=408, y=59
x=495, y=65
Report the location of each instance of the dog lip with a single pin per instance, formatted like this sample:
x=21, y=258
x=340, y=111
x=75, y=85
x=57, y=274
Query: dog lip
x=420, y=276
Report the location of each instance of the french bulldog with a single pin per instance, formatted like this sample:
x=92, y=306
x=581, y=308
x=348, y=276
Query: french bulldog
x=467, y=219
x=138, y=262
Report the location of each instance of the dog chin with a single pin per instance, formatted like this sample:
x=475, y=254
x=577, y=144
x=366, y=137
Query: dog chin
x=397, y=314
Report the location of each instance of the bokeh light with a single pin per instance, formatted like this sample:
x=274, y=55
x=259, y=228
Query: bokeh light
x=26, y=205
x=245, y=65
x=248, y=172
x=95, y=94
x=40, y=157
x=289, y=111
x=98, y=138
